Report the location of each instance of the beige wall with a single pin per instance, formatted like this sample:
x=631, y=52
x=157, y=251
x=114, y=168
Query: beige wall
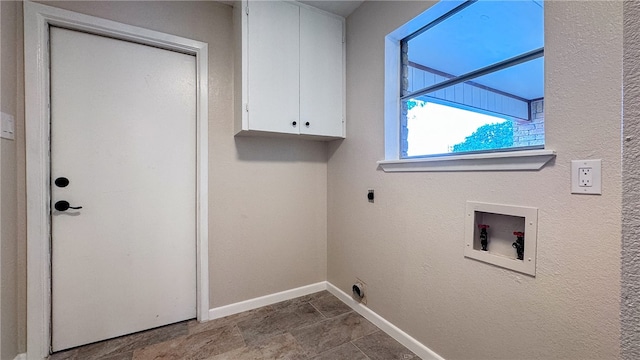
x=630, y=294
x=8, y=184
x=267, y=200
x=21, y=196
x=408, y=245
x=267, y=197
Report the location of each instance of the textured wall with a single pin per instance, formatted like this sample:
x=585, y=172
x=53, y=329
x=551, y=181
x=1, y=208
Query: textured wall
x=21, y=192
x=408, y=245
x=8, y=183
x=267, y=197
x=630, y=300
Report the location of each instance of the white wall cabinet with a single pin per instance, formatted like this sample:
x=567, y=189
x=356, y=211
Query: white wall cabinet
x=290, y=76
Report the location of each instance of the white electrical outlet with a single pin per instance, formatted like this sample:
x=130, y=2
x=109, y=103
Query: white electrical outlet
x=586, y=176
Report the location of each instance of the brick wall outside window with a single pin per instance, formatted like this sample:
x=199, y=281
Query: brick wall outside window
x=530, y=133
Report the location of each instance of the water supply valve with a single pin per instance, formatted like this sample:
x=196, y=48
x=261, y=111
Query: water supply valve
x=519, y=244
x=484, y=237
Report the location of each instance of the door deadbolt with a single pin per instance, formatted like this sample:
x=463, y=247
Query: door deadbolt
x=61, y=182
x=63, y=205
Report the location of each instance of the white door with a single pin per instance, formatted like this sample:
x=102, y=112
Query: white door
x=123, y=133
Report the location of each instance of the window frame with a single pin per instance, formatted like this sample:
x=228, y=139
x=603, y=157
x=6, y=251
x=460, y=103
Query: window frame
x=507, y=159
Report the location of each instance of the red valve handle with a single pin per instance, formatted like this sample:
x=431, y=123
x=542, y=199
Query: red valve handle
x=483, y=226
x=518, y=233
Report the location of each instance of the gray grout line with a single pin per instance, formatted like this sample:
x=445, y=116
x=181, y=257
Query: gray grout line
x=365, y=335
x=244, y=341
x=357, y=347
x=323, y=315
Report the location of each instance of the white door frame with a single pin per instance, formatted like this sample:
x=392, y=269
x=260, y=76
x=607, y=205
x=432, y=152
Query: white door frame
x=37, y=18
x=1, y=203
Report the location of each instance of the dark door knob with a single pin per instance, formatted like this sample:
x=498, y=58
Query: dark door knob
x=307, y=123
x=63, y=205
x=61, y=182
x=294, y=123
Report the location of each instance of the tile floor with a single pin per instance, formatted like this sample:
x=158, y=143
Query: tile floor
x=316, y=326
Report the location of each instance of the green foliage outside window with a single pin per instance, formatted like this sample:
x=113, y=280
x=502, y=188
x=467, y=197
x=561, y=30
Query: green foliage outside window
x=488, y=137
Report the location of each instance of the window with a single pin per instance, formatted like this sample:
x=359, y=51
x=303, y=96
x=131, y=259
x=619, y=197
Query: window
x=471, y=80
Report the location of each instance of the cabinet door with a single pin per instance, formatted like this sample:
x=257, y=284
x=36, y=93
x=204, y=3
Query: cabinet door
x=273, y=66
x=321, y=74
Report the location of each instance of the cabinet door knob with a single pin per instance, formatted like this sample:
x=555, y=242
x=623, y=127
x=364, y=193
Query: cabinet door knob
x=307, y=124
x=294, y=123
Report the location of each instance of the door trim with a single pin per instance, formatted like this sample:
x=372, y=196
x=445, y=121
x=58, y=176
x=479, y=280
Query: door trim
x=37, y=18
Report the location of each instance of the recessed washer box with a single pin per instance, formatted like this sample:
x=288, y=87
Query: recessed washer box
x=503, y=221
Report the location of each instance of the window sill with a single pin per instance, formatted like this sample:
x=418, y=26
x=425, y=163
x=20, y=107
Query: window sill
x=498, y=161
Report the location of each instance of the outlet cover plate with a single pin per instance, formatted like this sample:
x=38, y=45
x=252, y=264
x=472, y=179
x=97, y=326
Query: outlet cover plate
x=595, y=166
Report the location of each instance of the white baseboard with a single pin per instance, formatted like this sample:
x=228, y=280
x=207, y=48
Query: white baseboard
x=251, y=304
x=21, y=357
x=402, y=337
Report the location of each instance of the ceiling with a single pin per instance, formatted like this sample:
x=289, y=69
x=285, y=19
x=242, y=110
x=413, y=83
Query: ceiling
x=343, y=8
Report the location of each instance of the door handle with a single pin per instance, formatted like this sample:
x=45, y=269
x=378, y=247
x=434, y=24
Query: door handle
x=63, y=205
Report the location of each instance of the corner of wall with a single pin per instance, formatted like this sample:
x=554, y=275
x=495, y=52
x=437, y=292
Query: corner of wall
x=630, y=267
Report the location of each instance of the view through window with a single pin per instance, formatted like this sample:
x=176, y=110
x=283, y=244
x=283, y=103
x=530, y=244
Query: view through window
x=472, y=80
